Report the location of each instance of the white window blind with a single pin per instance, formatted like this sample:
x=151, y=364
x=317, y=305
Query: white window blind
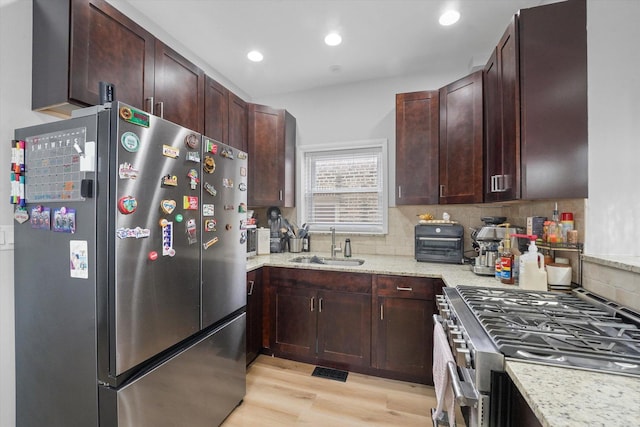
x=345, y=189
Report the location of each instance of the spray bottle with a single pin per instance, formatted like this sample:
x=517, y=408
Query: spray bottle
x=532, y=273
x=506, y=258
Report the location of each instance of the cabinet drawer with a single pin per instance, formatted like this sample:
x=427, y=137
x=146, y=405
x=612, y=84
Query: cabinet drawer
x=407, y=287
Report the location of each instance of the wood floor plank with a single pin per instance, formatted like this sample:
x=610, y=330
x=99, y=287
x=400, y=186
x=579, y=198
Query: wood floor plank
x=282, y=392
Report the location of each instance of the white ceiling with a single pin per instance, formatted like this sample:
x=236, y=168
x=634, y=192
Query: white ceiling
x=381, y=38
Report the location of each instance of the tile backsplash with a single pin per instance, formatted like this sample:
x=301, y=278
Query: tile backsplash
x=402, y=220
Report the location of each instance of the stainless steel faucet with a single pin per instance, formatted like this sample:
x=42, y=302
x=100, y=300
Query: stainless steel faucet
x=334, y=248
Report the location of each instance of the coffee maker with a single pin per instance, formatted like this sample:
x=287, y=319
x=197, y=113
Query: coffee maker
x=486, y=240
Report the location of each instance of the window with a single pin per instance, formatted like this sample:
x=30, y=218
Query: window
x=345, y=188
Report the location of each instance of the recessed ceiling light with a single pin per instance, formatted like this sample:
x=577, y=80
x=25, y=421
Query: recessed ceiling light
x=333, y=39
x=450, y=17
x=255, y=56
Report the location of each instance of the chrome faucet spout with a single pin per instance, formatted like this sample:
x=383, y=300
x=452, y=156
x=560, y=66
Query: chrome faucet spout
x=334, y=248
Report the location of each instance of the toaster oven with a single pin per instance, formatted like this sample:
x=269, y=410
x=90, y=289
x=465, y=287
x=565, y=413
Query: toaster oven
x=439, y=242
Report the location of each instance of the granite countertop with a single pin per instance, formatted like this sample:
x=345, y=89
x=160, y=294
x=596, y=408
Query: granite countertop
x=559, y=396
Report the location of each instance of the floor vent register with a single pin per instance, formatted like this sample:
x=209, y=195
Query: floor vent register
x=332, y=374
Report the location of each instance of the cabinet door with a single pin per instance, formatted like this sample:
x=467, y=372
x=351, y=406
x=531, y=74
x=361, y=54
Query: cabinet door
x=502, y=120
x=237, y=123
x=216, y=110
x=179, y=89
x=344, y=327
x=271, y=157
x=553, y=90
x=417, y=148
x=254, y=314
x=294, y=323
x=461, y=141
x=108, y=46
x=405, y=336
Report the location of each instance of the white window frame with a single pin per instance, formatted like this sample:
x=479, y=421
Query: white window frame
x=380, y=144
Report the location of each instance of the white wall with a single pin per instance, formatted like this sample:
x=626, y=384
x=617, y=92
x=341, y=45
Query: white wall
x=613, y=208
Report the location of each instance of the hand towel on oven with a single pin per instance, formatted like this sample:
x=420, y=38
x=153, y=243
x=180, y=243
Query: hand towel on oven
x=441, y=381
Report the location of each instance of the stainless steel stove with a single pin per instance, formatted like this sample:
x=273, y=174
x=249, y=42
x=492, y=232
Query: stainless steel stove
x=579, y=330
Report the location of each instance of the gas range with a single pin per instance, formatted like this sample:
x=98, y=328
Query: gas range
x=581, y=330
x=484, y=326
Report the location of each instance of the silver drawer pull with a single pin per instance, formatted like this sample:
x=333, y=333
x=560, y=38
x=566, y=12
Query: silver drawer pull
x=401, y=288
x=441, y=239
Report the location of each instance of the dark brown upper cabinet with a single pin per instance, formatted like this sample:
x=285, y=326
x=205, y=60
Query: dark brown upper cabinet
x=77, y=44
x=461, y=136
x=502, y=120
x=536, y=106
x=272, y=164
x=225, y=117
x=417, y=148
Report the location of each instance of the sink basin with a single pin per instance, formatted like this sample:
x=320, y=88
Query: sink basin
x=347, y=262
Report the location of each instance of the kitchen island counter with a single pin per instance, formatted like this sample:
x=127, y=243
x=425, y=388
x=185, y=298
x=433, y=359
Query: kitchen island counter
x=558, y=396
x=565, y=397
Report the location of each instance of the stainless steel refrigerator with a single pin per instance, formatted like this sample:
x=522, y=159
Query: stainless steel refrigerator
x=130, y=272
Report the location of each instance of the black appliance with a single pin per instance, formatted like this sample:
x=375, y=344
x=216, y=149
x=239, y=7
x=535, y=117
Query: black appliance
x=439, y=242
x=484, y=325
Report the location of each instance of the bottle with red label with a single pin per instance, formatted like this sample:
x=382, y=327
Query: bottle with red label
x=506, y=262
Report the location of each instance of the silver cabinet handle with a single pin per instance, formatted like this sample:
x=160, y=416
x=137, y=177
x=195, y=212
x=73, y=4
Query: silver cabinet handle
x=251, y=282
x=441, y=190
x=312, y=302
x=381, y=312
x=401, y=288
x=160, y=106
x=399, y=191
x=320, y=305
x=150, y=104
x=280, y=195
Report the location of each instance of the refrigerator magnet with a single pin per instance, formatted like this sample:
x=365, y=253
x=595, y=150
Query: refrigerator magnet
x=210, y=225
x=190, y=203
x=193, y=177
x=127, y=171
x=193, y=156
x=242, y=208
x=130, y=142
x=78, y=259
x=210, y=243
x=191, y=141
x=242, y=186
x=167, y=239
x=210, y=147
x=138, y=233
x=64, y=220
x=242, y=155
x=243, y=171
x=227, y=183
x=190, y=227
x=21, y=215
x=168, y=206
x=208, y=209
x=210, y=189
x=127, y=205
x=227, y=153
x=41, y=218
x=243, y=237
x=170, y=180
x=209, y=164
x=169, y=151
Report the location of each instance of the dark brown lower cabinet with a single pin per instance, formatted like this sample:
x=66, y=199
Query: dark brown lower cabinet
x=404, y=324
x=320, y=316
x=254, y=314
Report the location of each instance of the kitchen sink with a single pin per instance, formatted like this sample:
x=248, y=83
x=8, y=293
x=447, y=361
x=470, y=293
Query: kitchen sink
x=347, y=262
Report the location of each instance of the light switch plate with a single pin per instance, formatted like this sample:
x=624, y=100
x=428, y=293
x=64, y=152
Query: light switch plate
x=6, y=237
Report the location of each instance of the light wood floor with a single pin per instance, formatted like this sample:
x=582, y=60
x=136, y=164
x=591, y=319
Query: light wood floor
x=283, y=393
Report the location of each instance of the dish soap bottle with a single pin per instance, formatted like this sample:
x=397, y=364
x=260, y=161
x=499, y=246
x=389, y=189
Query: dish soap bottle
x=532, y=273
x=506, y=261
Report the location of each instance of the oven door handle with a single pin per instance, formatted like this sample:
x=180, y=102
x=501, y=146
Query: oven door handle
x=463, y=391
x=441, y=239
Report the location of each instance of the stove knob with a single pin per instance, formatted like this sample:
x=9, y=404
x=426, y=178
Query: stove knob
x=459, y=342
x=445, y=313
x=463, y=357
